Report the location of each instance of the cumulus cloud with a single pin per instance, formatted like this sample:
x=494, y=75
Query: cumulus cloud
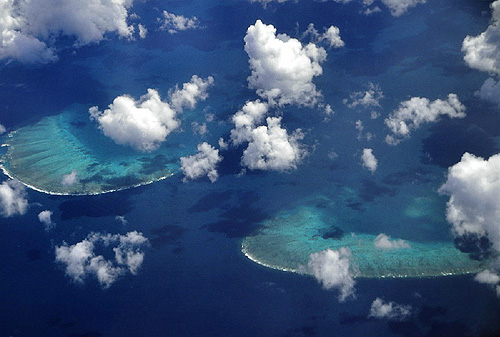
x=270, y=147
x=69, y=179
x=331, y=36
x=473, y=185
x=12, y=198
x=29, y=28
x=80, y=260
x=282, y=68
x=490, y=91
x=191, y=93
x=333, y=269
x=369, y=98
x=202, y=163
x=368, y=160
x=416, y=111
x=482, y=52
x=383, y=241
x=45, y=217
x=174, y=23
x=389, y=310
x=145, y=124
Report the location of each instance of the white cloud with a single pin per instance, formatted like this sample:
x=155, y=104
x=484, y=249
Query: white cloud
x=143, y=31
x=222, y=144
x=146, y=123
x=389, y=310
x=482, y=52
x=191, y=93
x=383, y=241
x=202, y=163
x=12, y=198
x=174, y=23
x=416, y=111
x=282, y=68
x=270, y=147
x=473, y=185
x=490, y=91
x=122, y=219
x=396, y=7
x=399, y=7
x=360, y=127
x=367, y=99
x=2, y=129
x=331, y=36
x=488, y=277
x=80, y=259
x=142, y=124
x=368, y=160
x=69, y=179
x=333, y=269
x=28, y=28
x=45, y=218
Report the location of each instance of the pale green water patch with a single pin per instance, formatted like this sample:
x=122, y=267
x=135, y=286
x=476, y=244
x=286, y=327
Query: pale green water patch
x=287, y=240
x=39, y=155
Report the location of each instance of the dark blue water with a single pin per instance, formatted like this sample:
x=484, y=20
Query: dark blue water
x=194, y=280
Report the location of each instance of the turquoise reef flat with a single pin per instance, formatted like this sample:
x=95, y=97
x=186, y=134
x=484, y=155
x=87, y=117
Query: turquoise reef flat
x=286, y=241
x=39, y=155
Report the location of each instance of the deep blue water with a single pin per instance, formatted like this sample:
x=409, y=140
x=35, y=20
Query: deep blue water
x=194, y=280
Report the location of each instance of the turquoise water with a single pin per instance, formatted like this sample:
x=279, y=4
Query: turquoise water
x=286, y=241
x=39, y=155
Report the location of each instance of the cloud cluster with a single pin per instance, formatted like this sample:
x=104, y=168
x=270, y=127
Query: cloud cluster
x=174, y=23
x=28, y=28
x=482, y=52
x=368, y=160
x=201, y=164
x=383, y=241
x=12, y=198
x=369, y=98
x=333, y=269
x=416, y=111
x=80, y=260
x=145, y=124
x=45, y=217
x=282, y=68
x=389, y=310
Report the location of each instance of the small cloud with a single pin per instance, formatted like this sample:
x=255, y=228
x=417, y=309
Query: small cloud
x=143, y=31
x=2, y=129
x=12, y=198
x=368, y=160
x=333, y=269
x=416, y=111
x=45, y=217
x=175, y=23
x=389, y=310
x=222, y=144
x=383, y=241
x=331, y=35
x=490, y=91
x=69, y=179
x=121, y=219
x=80, y=260
x=366, y=99
x=201, y=164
